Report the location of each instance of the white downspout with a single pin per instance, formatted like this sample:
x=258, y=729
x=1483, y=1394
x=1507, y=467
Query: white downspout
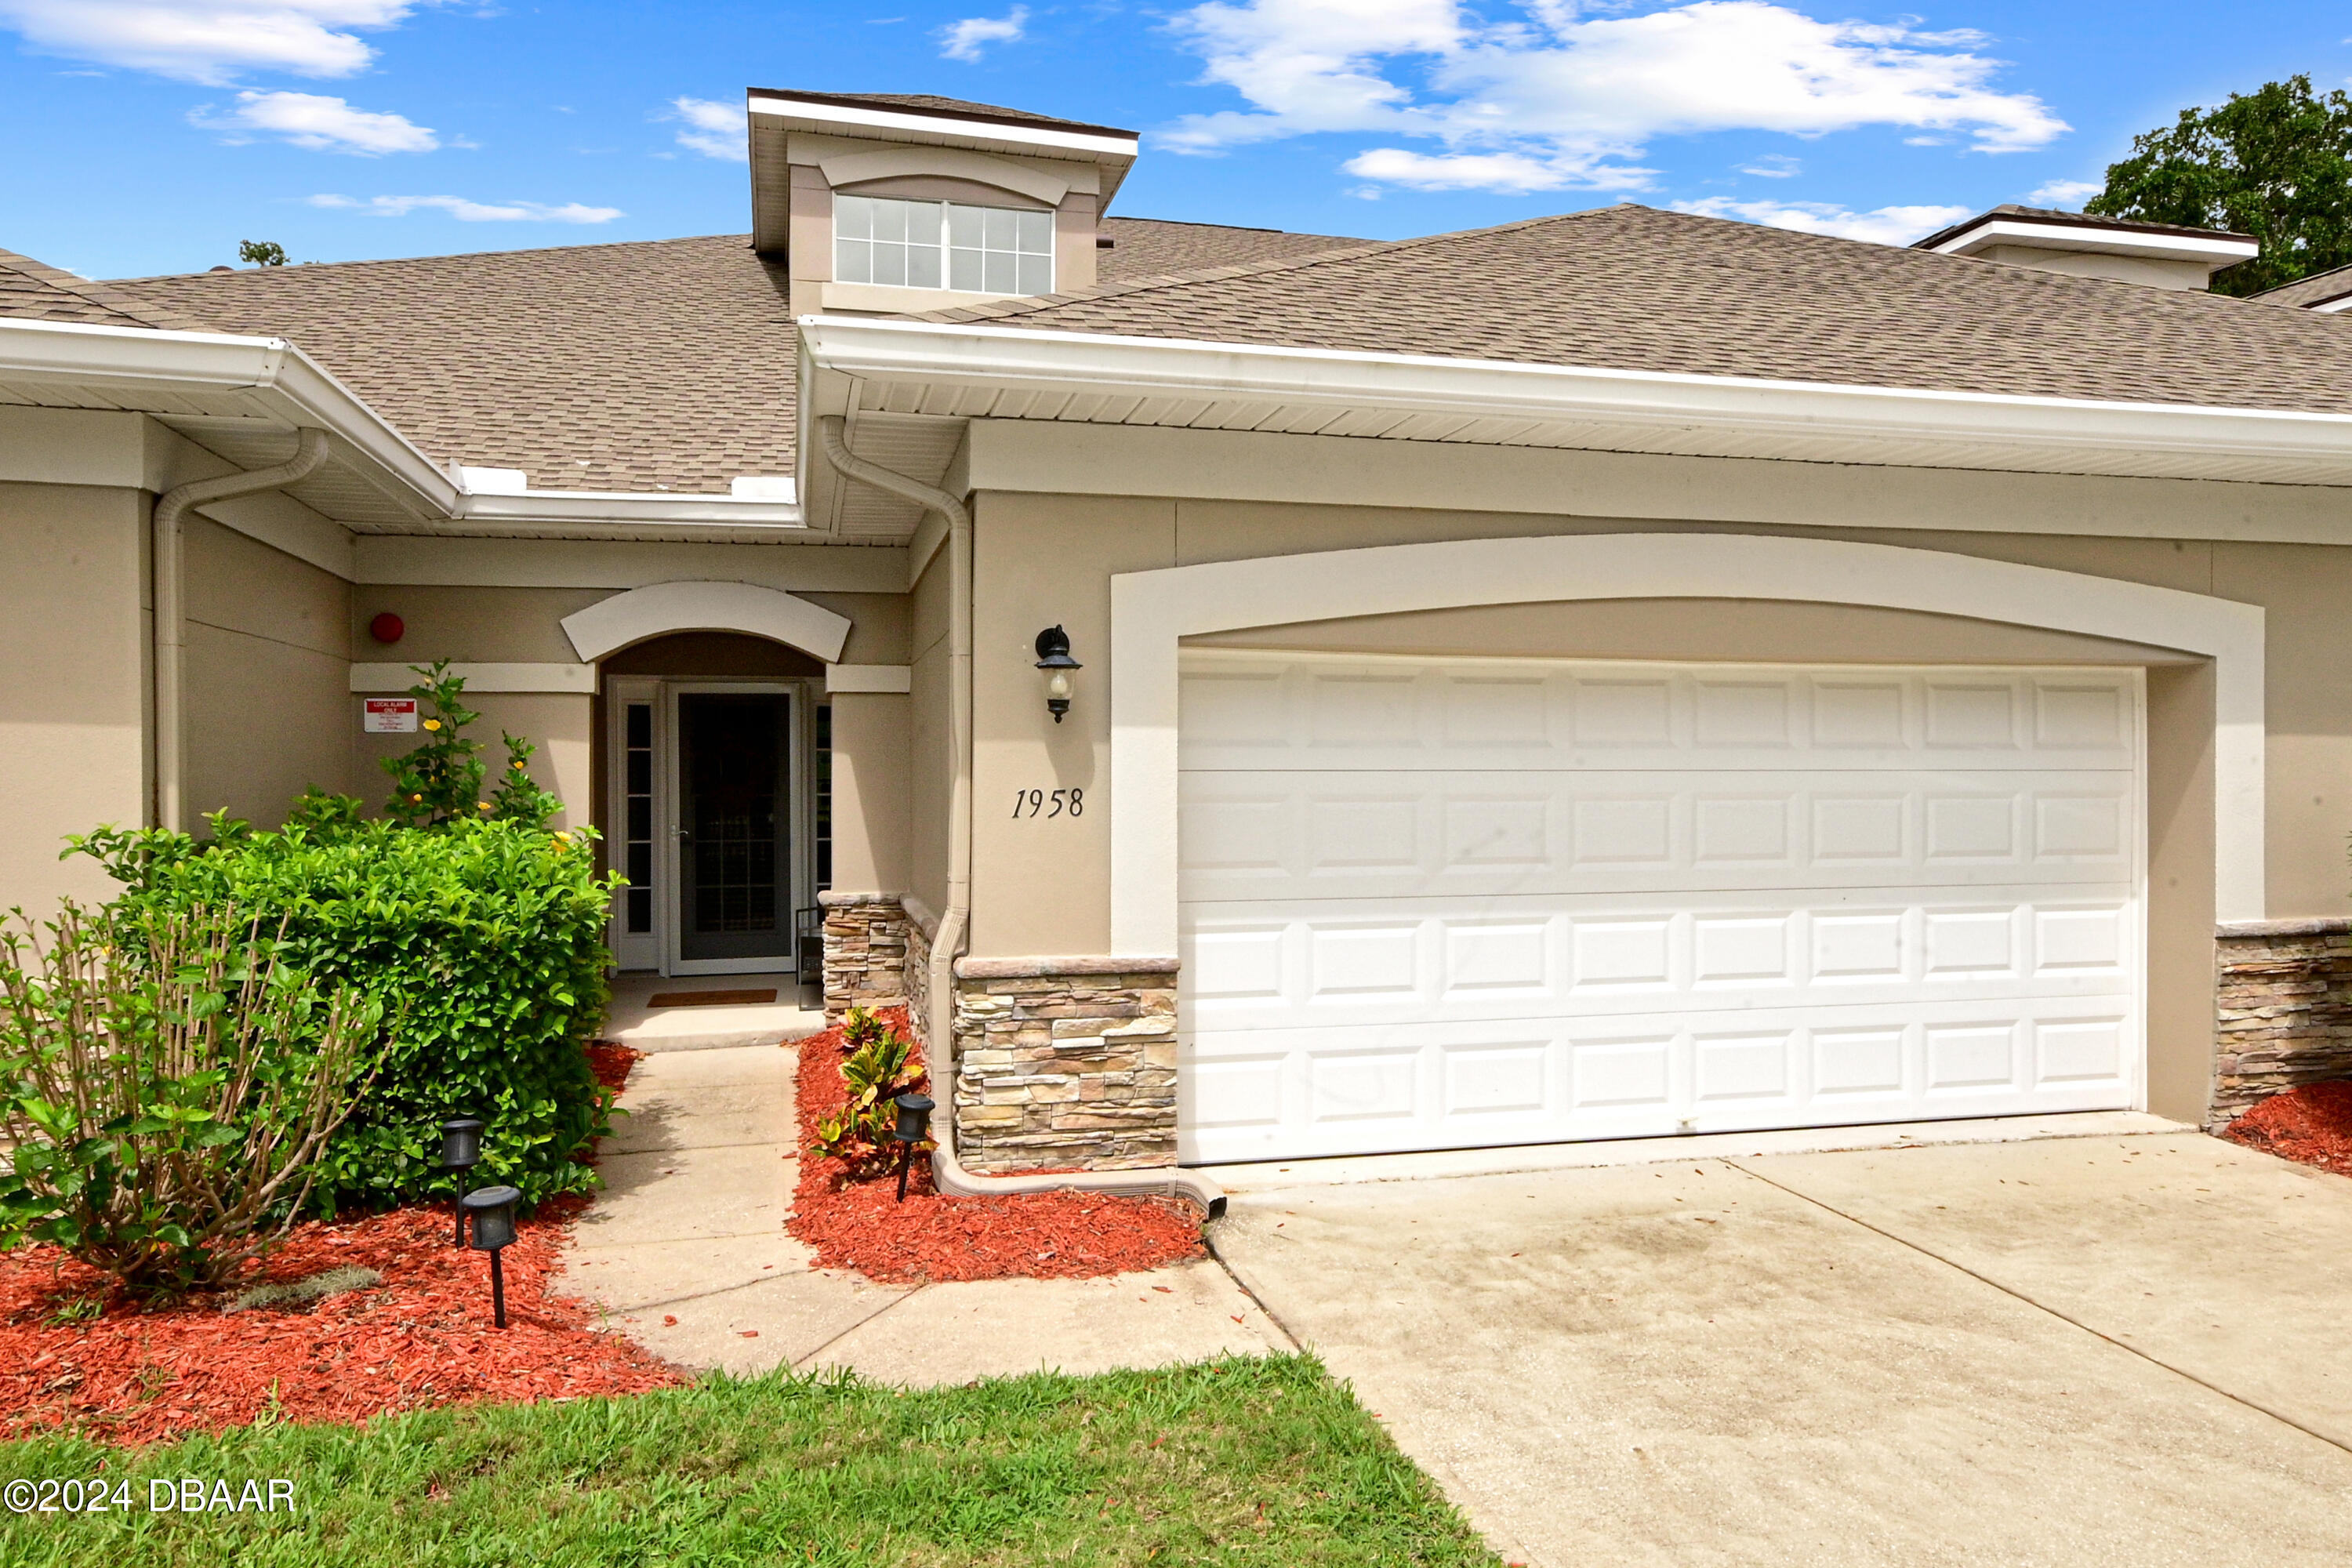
x=955, y=920
x=171, y=604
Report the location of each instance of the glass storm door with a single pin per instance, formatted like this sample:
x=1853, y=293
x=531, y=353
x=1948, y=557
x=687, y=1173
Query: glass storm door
x=734, y=828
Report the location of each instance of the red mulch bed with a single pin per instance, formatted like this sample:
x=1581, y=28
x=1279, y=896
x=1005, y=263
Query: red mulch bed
x=2311, y=1125
x=423, y=1337
x=612, y=1063
x=859, y=1224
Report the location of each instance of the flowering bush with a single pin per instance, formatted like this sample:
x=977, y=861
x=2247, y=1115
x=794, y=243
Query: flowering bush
x=441, y=780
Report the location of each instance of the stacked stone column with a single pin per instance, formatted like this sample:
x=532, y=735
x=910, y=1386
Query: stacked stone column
x=1066, y=1062
x=2284, y=999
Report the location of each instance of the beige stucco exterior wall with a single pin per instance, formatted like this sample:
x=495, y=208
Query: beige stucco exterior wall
x=268, y=671
x=73, y=641
x=1044, y=888
x=930, y=775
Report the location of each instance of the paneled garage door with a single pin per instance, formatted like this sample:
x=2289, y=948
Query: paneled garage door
x=1442, y=904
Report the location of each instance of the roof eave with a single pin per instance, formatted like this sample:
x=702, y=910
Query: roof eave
x=1839, y=422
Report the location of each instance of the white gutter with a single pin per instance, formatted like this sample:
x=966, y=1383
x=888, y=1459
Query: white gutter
x=169, y=595
x=287, y=385
x=1083, y=363
x=282, y=381
x=955, y=920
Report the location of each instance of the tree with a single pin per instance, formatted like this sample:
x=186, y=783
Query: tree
x=261, y=252
x=2276, y=164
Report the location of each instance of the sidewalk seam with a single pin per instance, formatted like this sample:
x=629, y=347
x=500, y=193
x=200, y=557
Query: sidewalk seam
x=804, y=1361
x=2236, y=1398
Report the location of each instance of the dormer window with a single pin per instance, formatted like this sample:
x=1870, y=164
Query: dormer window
x=942, y=245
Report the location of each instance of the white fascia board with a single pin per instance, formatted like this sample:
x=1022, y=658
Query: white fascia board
x=834, y=117
x=282, y=381
x=626, y=506
x=1084, y=364
x=2104, y=241
x=2332, y=306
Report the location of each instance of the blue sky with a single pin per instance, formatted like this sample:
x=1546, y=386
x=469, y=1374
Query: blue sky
x=148, y=136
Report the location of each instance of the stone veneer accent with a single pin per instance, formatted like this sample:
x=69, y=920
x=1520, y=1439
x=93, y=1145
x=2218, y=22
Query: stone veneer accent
x=865, y=952
x=1065, y=1062
x=2283, y=1000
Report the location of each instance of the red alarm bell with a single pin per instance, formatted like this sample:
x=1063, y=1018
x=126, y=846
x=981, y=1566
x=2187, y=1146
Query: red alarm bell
x=388, y=628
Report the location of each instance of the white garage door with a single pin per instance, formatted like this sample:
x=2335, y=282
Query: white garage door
x=1439, y=904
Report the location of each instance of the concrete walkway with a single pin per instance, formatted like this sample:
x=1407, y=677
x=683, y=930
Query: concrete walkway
x=2120, y=1349
x=631, y=1018
x=685, y=1251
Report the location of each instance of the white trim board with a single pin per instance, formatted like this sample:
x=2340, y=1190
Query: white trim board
x=619, y=563
x=1153, y=611
x=611, y=625
x=579, y=679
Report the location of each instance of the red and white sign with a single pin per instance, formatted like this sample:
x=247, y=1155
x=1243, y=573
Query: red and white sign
x=388, y=716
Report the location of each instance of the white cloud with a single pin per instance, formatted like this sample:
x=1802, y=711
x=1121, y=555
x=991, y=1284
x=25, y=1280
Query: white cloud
x=208, y=41
x=713, y=129
x=466, y=211
x=2066, y=193
x=1512, y=174
x=1773, y=166
x=1881, y=225
x=963, y=40
x=1578, y=95
x=323, y=125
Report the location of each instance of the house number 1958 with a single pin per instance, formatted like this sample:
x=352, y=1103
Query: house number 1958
x=1048, y=804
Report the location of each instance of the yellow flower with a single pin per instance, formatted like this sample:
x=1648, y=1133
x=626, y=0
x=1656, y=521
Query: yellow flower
x=518, y=767
x=413, y=799
x=483, y=804
x=433, y=723
x=564, y=839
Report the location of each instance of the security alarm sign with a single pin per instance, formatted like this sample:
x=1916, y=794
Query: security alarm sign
x=388, y=716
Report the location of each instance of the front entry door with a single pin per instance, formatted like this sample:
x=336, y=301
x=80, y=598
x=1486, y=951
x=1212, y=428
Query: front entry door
x=734, y=830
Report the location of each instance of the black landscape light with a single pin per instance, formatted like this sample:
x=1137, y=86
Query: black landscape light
x=1053, y=658
x=461, y=1151
x=914, y=1126
x=493, y=1209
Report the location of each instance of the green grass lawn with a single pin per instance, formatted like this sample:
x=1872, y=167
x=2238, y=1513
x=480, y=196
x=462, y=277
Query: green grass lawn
x=1234, y=1461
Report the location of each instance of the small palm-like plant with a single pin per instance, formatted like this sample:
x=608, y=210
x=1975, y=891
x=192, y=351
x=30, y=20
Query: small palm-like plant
x=166, y=1087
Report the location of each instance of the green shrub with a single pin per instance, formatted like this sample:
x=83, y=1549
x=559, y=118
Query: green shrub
x=874, y=1073
x=482, y=940
x=163, y=1105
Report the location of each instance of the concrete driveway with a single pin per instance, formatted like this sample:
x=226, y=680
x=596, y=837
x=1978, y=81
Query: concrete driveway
x=2134, y=1349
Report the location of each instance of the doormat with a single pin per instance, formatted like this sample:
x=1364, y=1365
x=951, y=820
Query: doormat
x=710, y=998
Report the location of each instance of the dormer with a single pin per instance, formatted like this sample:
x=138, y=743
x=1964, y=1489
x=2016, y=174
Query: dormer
x=2121, y=249
x=894, y=204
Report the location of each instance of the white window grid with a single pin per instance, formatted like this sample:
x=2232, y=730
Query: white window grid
x=935, y=245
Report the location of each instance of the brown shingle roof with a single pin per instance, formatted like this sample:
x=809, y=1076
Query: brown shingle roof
x=666, y=363
x=621, y=367
x=2305, y=292
x=34, y=290
x=1633, y=288
x=1147, y=248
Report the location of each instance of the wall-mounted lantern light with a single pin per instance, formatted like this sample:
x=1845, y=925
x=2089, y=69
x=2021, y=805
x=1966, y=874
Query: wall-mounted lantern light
x=493, y=1209
x=461, y=1151
x=1053, y=658
x=914, y=1126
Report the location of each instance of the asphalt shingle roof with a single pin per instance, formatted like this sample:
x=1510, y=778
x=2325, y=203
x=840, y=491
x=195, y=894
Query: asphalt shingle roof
x=1633, y=288
x=661, y=364
x=2317, y=290
x=36, y=292
x=1147, y=246
x=601, y=367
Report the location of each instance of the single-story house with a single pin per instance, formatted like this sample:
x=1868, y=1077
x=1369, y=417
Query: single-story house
x=1259, y=695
